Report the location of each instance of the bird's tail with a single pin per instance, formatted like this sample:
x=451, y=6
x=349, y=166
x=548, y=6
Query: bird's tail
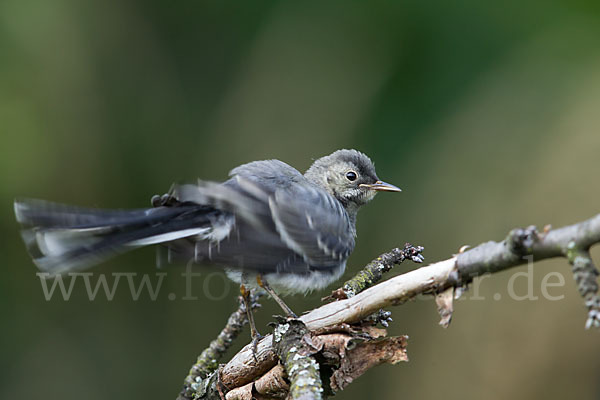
x=62, y=238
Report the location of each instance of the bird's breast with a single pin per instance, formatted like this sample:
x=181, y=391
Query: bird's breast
x=291, y=283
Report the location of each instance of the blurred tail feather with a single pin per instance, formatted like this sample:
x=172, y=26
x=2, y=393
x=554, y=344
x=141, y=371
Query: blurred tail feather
x=63, y=238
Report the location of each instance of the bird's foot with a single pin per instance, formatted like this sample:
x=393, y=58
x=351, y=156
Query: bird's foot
x=250, y=302
x=255, y=339
x=289, y=314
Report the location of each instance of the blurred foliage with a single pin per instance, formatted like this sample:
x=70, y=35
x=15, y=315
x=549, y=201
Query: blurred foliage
x=486, y=114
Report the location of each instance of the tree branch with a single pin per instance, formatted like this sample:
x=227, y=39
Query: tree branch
x=208, y=360
x=441, y=279
x=294, y=347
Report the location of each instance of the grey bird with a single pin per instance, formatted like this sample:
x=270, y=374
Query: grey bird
x=267, y=225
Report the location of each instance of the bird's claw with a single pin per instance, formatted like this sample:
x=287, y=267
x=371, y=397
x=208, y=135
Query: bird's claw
x=255, y=339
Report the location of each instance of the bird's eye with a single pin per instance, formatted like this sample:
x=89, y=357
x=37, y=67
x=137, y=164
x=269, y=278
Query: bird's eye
x=351, y=176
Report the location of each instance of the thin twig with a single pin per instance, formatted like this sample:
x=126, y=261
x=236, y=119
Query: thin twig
x=373, y=271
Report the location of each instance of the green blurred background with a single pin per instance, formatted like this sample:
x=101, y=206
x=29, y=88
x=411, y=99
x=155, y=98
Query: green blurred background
x=485, y=113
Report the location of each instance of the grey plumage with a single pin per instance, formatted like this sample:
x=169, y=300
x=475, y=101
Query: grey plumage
x=297, y=230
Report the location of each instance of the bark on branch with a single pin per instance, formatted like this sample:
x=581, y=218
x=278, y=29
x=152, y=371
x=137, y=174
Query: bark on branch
x=441, y=279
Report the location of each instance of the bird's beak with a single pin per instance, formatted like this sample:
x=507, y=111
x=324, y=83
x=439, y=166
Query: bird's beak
x=381, y=186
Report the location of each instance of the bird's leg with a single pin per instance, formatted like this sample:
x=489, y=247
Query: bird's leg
x=253, y=331
x=265, y=285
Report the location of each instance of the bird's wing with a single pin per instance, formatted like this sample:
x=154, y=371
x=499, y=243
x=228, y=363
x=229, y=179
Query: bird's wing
x=282, y=222
x=246, y=194
x=269, y=174
x=312, y=223
x=309, y=220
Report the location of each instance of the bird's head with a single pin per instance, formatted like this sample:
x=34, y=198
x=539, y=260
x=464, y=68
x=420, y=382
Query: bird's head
x=349, y=176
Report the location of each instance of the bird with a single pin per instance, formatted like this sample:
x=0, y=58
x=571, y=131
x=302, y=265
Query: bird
x=269, y=226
